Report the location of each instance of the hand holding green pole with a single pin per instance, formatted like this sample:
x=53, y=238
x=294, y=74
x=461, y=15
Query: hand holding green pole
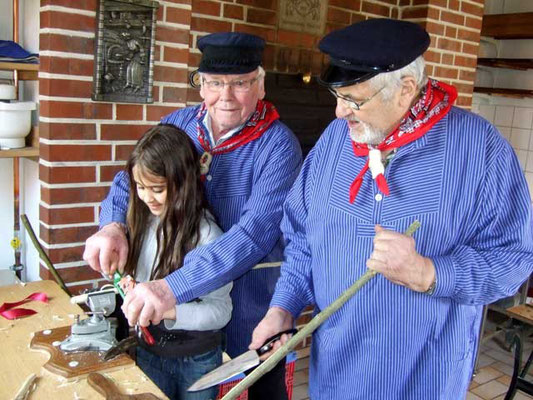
x=307, y=329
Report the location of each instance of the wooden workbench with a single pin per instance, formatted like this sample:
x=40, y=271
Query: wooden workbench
x=18, y=361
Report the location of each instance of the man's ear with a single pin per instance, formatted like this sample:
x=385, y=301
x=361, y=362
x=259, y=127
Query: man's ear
x=202, y=94
x=261, y=90
x=408, y=91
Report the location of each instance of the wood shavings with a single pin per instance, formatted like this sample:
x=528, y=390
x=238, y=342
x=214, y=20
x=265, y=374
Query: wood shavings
x=21, y=283
x=26, y=388
x=7, y=327
x=57, y=318
x=66, y=382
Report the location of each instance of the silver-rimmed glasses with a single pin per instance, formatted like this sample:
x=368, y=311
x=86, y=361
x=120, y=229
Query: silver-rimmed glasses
x=238, y=86
x=356, y=105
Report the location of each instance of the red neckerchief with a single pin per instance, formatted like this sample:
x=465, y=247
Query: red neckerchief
x=431, y=108
x=264, y=115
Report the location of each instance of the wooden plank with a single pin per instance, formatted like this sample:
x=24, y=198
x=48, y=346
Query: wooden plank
x=19, y=361
x=522, y=312
x=508, y=26
x=517, y=93
x=28, y=152
x=511, y=63
x=12, y=66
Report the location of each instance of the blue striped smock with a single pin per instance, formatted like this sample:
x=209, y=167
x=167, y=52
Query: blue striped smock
x=245, y=190
x=463, y=182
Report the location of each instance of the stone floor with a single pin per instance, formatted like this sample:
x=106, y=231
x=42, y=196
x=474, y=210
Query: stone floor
x=495, y=368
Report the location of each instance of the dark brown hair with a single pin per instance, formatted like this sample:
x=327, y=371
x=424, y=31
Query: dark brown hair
x=166, y=151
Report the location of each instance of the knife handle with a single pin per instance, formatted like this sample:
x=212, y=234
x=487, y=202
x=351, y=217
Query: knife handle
x=269, y=343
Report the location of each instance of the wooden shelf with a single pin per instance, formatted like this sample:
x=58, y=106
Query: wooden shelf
x=28, y=152
x=510, y=63
x=508, y=26
x=517, y=93
x=27, y=72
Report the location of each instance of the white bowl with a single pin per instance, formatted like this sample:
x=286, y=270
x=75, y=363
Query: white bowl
x=15, y=123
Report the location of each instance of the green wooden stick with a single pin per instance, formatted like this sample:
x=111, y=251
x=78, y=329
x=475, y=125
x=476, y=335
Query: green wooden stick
x=307, y=329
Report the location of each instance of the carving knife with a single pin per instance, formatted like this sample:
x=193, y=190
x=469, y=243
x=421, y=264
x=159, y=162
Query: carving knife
x=239, y=364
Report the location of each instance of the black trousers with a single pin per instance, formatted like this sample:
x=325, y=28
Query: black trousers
x=270, y=386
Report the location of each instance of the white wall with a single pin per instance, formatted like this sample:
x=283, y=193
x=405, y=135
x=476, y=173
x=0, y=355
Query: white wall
x=29, y=170
x=513, y=117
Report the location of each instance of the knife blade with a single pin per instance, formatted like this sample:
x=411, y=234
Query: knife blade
x=239, y=364
x=122, y=346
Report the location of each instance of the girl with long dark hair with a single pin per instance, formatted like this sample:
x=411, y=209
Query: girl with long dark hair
x=167, y=217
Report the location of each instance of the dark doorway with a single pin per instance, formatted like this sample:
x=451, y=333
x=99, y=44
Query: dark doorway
x=306, y=108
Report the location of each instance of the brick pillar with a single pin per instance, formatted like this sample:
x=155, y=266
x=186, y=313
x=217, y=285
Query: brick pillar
x=84, y=143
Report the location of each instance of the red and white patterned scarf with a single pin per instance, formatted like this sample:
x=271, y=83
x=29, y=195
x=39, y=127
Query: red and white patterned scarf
x=434, y=104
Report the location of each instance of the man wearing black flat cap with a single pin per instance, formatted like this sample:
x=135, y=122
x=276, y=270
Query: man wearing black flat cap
x=249, y=161
x=399, y=152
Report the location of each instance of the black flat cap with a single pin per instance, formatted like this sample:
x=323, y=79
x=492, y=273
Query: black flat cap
x=230, y=53
x=365, y=49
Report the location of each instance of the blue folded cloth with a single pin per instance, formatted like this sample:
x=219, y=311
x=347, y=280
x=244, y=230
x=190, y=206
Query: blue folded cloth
x=11, y=51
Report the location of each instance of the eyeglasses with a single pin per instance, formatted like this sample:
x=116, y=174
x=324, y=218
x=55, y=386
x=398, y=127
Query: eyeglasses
x=355, y=105
x=238, y=86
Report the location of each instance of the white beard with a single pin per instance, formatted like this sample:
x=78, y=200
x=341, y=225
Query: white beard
x=370, y=135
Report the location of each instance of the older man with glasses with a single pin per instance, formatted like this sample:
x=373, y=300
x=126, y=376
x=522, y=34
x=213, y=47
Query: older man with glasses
x=249, y=161
x=399, y=152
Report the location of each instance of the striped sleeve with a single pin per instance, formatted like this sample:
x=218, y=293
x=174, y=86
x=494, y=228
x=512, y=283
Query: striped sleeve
x=115, y=205
x=493, y=263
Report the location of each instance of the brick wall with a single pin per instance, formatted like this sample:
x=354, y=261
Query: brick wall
x=84, y=143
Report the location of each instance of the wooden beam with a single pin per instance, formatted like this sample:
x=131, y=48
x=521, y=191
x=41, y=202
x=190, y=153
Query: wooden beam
x=518, y=93
x=508, y=26
x=511, y=63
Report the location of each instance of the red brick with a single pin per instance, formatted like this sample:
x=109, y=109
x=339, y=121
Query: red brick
x=60, y=109
x=209, y=25
x=232, y=11
x=65, y=88
x=470, y=49
x=174, y=95
x=296, y=39
x=447, y=59
x=432, y=56
x=176, y=55
x=63, y=20
x=171, y=35
x=375, y=9
x=269, y=4
x=66, y=235
x=170, y=74
x=443, y=72
x=394, y=13
x=451, y=32
x=472, y=9
x=453, y=5
x=97, y=110
x=268, y=57
x=405, y=2
x=356, y=17
x=434, y=27
x=474, y=23
x=354, y=5
x=129, y=112
x=193, y=96
x=471, y=36
x=467, y=75
x=68, y=152
x=264, y=17
x=448, y=44
x=108, y=172
x=123, y=132
x=452, y=17
x=206, y=7
x=464, y=101
x=122, y=153
x=294, y=60
x=89, y=5
x=66, y=174
x=62, y=216
x=268, y=34
x=415, y=12
x=73, y=195
x=68, y=276
x=65, y=43
x=338, y=16
x=67, y=66
x=469, y=62
x=177, y=16
x=155, y=113
x=69, y=131
x=464, y=88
